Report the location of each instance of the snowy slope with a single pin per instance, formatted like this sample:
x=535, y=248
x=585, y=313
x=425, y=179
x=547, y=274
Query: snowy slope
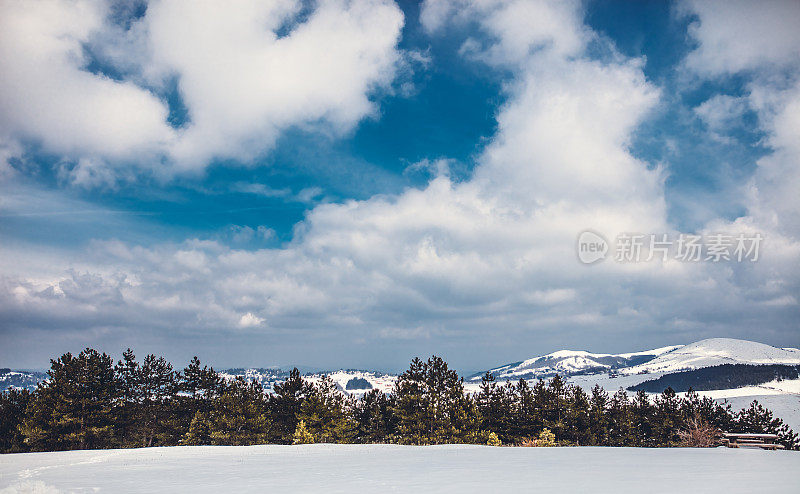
x=413, y=469
x=376, y=380
x=270, y=377
x=20, y=379
x=716, y=351
x=571, y=363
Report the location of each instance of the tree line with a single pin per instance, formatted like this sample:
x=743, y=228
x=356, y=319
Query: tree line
x=89, y=402
x=724, y=376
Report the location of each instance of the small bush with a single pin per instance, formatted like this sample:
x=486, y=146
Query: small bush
x=302, y=435
x=494, y=440
x=699, y=434
x=546, y=439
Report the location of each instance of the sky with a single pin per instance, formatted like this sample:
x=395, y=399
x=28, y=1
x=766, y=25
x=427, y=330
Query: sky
x=352, y=183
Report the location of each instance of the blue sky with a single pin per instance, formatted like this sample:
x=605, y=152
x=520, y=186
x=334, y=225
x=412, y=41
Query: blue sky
x=356, y=183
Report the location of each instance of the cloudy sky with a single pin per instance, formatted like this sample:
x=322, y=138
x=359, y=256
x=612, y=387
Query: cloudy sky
x=356, y=182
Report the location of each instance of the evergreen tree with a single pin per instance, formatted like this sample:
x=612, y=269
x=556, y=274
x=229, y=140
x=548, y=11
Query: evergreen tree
x=13, y=404
x=302, y=435
x=555, y=411
x=284, y=405
x=643, y=412
x=72, y=409
x=373, y=416
x=757, y=419
x=621, y=430
x=431, y=406
x=200, y=428
x=528, y=420
x=146, y=413
x=598, y=420
x=327, y=413
x=238, y=417
x=157, y=420
x=496, y=404
x=668, y=420
x=578, y=417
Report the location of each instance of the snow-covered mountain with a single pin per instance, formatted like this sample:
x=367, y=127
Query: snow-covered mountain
x=572, y=363
x=715, y=351
x=704, y=353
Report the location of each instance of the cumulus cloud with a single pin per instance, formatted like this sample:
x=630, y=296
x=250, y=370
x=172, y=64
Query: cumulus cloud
x=244, y=80
x=735, y=40
x=740, y=35
x=245, y=71
x=48, y=97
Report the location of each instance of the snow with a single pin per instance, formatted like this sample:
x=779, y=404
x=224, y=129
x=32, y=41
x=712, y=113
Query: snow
x=383, y=382
x=569, y=362
x=716, y=351
x=384, y=468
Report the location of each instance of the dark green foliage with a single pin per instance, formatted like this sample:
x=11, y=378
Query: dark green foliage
x=73, y=409
x=358, y=383
x=374, y=418
x=87, y=402
x=725, y=376
x=13, y=404
x=237, y=417
x=284, y=405
x=758, y=419
x=327, y=413
x=431, y=406
x=497, y=406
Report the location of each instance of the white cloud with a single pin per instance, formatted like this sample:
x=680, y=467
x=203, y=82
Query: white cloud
x=250, y=320
x=721, y=112
x=47, y=97
x=742, y=35
x=241, y=82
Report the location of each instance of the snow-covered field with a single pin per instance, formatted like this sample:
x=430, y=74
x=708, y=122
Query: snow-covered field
x=388, y=468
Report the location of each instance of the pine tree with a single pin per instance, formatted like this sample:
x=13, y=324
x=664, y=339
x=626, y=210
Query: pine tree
x=555, y=411
x=757, y=419
x=284, y=405
x=13, y=404
x=528, y=420
x=239, y=416
x=327, y=413
x=598, y=420
x=302, y=435
x=643, y=417
x=578, y=417
x=373, y=417
x=146, y=410
x=431, y=406
x=72, y=409
x=668, y=419
x=496, y=404
x=199, y=430
x=621, y=429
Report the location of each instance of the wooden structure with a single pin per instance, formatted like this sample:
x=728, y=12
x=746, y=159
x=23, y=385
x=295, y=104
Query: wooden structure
x=741, y=440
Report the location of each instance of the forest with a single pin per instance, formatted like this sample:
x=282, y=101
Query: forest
x=725, y=376
x=90, y=402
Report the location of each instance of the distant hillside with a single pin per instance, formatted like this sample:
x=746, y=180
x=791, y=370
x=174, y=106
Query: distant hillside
x=571, y=363
x=20, y=379
x=716, y=351
x=726, y=376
